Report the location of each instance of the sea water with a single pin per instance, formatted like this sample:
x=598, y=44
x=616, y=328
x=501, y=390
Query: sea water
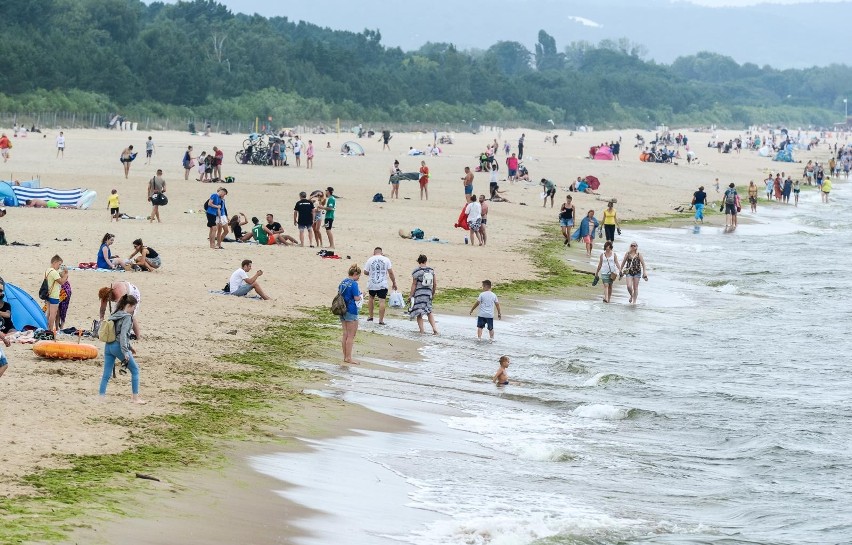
x=717, y=410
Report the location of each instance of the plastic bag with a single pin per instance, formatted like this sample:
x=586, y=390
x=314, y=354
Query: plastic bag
x=396, y=300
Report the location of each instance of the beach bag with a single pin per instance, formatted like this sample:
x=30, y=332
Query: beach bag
x=396, y=300
x=43, y=291
x=613, y=276
x=229, y=179
x=417, y=234
x=378, y=197
x=427, y=279
x=338, y=304
x=159, y=199
x=106, y=331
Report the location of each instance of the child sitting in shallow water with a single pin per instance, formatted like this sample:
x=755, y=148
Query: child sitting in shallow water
x=501, y=377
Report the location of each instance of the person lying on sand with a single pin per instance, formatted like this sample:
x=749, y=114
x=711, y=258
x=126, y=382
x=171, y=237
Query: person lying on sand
x=35, y=203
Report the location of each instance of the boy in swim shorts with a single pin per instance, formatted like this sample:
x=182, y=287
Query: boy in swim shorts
x=487, y=303
x=501, y=377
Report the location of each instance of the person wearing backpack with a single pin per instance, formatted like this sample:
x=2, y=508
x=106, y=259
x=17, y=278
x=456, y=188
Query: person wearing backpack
x=730, y=205
x=351, y=294
x=119, y=347
x=53, y=278
x=422, y=293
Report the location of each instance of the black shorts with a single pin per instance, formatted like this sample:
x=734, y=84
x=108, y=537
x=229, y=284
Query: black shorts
x=113, y=211
x=328, y=223
x=484, y=322
x=550, y=193
x=381, y=294
x=211, y=220
x=148, y=152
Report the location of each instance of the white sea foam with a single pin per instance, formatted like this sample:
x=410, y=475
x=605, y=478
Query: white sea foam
x=600, y=412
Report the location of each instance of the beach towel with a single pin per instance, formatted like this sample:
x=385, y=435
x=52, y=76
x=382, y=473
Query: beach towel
x=462, y=221
x=222, y=292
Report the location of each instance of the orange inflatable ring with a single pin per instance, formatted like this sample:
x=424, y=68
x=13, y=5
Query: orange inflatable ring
x=65, y=351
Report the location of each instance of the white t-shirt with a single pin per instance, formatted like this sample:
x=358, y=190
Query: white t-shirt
x=473, y=211
x=60, y=142
x=238, y=279
x=377, y=268
x=486, y=304
x=297, y=146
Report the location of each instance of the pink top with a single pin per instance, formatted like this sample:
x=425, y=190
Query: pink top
x=310, y=151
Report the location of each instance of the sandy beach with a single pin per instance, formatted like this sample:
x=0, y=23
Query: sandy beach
x=51, y=409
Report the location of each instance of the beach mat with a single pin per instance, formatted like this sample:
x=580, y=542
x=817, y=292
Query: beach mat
x=221, y=292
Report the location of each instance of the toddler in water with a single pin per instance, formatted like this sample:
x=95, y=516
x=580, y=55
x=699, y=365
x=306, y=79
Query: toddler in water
x=501, y=377
x=112, y=204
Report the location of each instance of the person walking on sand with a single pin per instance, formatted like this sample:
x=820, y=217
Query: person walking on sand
x=483, y=235
x=699, y=201
x=424, y=181
x=5, y=146
x=56, y=275
x=240, y=283
x=467, y=182
x=120, y=349
x=422, y=293
x=348, y=288
x=501, y=377
x=126, y=158
x=608, y=270
x=633, y=268
x=309, y=155
x=521, y=147
x=610, y=221
x=752, y=196
x=566, y=219
x=60, y=145
x=217, y=218
x=156, y=193
x=187, y=162
x=586, y=232
x=378, y=268
x=149, y=150
x=487, y=303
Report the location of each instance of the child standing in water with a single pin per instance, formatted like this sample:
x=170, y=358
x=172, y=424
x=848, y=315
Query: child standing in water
x=501, y=377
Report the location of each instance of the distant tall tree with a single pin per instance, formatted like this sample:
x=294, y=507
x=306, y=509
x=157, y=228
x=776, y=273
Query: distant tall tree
x=546, y=56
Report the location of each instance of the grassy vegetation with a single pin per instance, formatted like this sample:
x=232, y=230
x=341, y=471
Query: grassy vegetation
x=230, y=405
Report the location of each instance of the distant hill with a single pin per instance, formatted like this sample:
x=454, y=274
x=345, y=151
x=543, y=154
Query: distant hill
x=783, y=36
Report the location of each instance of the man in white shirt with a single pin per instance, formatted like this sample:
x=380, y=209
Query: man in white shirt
x=60, y=145
x=474, y=219
x=378, y=269
x=240, y=283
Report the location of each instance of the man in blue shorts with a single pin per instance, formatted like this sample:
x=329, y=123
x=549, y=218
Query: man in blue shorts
x=467, y=180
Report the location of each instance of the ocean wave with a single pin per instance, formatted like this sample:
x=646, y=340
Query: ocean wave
x=543, y=452
x=602, y=379
x=601, y=412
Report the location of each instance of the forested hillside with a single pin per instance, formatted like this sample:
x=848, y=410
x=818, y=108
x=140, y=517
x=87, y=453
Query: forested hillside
x=199, y=59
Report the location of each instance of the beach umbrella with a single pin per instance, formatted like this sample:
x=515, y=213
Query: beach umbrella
x=593, y=182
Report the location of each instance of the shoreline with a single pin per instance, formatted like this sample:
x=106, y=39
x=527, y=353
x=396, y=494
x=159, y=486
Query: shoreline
x=214, y=384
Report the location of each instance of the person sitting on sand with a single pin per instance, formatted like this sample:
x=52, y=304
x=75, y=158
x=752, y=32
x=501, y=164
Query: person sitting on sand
x=236, y=223
x=148, y=258
x=106, y=259
x=112, y=294
x=241, y=283
x=497, y=193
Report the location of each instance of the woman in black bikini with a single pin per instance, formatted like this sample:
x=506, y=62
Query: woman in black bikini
x=633, y=267
x=148, y=258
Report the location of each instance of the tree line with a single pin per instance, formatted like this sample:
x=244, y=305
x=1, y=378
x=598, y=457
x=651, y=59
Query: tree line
x=197, y=59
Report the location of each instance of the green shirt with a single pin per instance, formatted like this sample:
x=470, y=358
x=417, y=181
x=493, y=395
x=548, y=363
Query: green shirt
x=261, y=235
x=330, y=204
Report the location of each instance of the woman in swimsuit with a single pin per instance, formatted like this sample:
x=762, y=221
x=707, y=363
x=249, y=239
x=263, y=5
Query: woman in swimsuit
x=318, y=198
x=148, y=257
x=126, y=158
x=608, y=265
x=633, y=267
x=112, y=293
x=566, y=219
